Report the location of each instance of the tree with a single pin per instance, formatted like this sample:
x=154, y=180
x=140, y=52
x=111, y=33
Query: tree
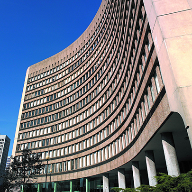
x=117, y=189
x=10, y=181
x=182, y=183
x=22, y=170
x=166, y=183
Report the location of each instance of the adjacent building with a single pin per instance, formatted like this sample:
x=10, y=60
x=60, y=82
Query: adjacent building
x=8, y=162
x=4, y=149
x=113, y=108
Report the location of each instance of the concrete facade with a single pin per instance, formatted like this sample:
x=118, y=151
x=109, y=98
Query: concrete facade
x=110, y=101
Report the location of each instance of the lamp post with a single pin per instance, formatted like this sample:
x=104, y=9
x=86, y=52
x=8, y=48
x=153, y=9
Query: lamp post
x=50, y=180
x=47, y=158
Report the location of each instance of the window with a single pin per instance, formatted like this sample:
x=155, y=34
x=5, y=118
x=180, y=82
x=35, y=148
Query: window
x=58, y=153
x=72, y=164
x=157, y=83
x=84, y=162
x=64, y=166
x=152, y=92
x=76, y=163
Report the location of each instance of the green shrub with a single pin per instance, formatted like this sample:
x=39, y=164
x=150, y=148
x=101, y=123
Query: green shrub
x=166, y=183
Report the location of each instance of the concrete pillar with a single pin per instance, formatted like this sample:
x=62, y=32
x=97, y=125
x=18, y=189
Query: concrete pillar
x=87, y=185
x=55, y=187
x=121, y=178
x=106, y=183
x=136, y=174
x=170, y=154
x=151, y=169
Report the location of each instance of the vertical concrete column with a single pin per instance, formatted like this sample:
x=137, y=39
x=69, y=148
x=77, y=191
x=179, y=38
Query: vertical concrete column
x=146, y=104
x=87, y=185
x=129, y=134
x=151, y=169
x=117, y=146
x=55, y=187
x=110, y=151
x=123, y=141
x=127, y=137
x=106, y=183
x=133, y=130
x=71, y=186
x=143, y=111
x=121, y=178
x=140, y=118
x=170, y=154
x=138, y=123
x=150, y=97
x=154, y=86
x=136, y=174
x=135, y=126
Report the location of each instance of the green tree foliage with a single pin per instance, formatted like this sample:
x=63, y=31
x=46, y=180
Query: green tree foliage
x=22, y=170
x=10, y=181
x=117, y=189
x=145, y=188
x=182, y=183
x=166, y=183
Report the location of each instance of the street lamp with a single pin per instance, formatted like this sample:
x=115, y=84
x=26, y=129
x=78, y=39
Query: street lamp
x=50, y=184
x=50, y=179
x=47, y=158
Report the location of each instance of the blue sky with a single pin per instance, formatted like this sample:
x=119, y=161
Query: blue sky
x=31, y=31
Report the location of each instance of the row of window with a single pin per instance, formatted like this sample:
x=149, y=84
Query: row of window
x=73, y=76
x=132, y=81
x=104, y=113
x=74, y=85
x=50, y=107
x=91, y=159
x=101, y=155
x=69, y=99
x=69, y=61
x=133, y=96
x=67, y=80
x=64, y=102
x=66, y=112
x=142, y=111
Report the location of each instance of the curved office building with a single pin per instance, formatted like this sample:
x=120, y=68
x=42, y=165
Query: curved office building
x=114, y=107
